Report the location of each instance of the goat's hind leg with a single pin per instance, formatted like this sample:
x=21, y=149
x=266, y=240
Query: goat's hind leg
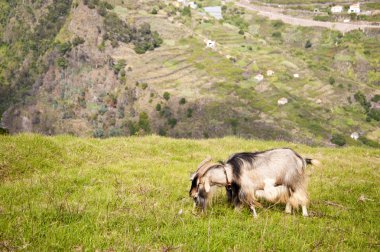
x=288, y=208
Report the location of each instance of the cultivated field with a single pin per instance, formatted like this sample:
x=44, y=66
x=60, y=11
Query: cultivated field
x=131, y=194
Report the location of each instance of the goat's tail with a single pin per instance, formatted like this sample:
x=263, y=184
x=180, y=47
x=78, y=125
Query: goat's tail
x=310, y=161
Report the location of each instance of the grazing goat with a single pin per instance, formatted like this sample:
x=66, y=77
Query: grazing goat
x=276, y=175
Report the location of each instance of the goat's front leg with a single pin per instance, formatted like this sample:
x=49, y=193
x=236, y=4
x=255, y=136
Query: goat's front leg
x=253, y=210
x=304, y=211
x=288, y=208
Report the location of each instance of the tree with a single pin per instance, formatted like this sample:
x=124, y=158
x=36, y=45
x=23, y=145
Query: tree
x=144, y=122
x=182, y=101
x=331, y=80
x=167, y=96
x=308, y=44
x=338, y=139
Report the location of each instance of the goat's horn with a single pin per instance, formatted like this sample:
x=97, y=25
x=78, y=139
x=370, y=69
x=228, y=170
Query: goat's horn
x=208, y=159
x=202, y=164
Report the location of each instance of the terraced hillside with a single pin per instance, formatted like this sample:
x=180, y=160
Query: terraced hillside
x=183, y=89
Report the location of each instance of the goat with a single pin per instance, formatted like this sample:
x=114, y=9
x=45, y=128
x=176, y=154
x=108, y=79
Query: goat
x=277, y=175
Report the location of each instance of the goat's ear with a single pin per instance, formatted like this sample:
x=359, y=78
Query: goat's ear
x=192, y=176
x=207, y=185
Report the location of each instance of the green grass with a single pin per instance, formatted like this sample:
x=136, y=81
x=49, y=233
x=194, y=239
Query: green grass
x=64, y=193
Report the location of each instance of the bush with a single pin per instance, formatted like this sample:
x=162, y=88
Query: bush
x=331, y=80
x=62, y=62
x=338, y=139
x=154, y=11
x=167, y=96
x=144, y=122
x=276, y=34
x=172, y=122
x=65, y=47
x=186, y=11
x=182, y=101
x=308, y=44
x=376, y=98
x=158, y=107
x=374, y=114
x=77, y=41
x=362, y=100
x=189, y=113
x=241, y=32
x=369, y=142
x=98, y=133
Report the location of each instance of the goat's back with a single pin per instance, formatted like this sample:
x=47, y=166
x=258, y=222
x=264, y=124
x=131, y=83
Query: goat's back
x=282, y=166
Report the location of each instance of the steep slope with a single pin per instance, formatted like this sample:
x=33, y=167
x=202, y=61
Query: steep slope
x=183, y=89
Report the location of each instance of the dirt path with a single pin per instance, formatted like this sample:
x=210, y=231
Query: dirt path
x=312, y=4
x=274, y=14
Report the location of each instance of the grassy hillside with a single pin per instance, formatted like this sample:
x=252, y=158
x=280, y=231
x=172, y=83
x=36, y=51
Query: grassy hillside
x=78, y=194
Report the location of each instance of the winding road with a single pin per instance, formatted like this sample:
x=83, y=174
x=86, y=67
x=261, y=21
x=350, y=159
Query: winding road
x=274, y=14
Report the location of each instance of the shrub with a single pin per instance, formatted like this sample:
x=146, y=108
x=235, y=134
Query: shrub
x=114, y=132
x=65, y=47
x=144, y=86
x=189, y=113
x=98, y=133
x=331, y=80
x=186, y=11
x=154, y=11
x=144, y=122
x=276, y=34
x=376, y=98
x=172, y=122
x=308, y=44
x=369, y=142
x=167, y=96
x=77, y=41
x=277, y=24
x=374, y=114
x=182, y=101
x=62, y=62
x=338, y=139
x=158, y=107
x=362, y=100
x=241, y=32
x=103, y=109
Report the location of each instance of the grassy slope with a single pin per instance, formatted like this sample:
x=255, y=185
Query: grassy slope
x=66, y=193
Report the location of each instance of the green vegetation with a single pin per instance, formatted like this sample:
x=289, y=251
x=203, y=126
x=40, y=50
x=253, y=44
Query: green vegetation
x=167, y=96
x=338, y=139
x=127, y=194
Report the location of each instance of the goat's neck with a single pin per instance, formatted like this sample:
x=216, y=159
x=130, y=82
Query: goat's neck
x=218, y=176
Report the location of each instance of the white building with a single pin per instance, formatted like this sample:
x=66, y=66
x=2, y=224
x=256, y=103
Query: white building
x=355, y=135
x=214, y=11
x=355, y=8
x=282, y=101
x=270, y=72
x=210, y=44
x=337, y=9
x=193, y=5
x=259, y=77
x=296, y=75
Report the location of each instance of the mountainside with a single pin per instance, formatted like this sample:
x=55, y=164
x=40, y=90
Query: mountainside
x=95, y=68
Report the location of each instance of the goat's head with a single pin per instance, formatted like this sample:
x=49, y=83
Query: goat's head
x=200, y=183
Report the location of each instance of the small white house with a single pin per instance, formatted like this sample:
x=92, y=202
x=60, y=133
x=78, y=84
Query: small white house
x=355, y=135
x=337, y=9
x=346, y=21
x=270, y=72
x=282, y=101
x=193, y=5
x=296, y=75
x=354, y=8
x=210, y=44
x=259, y=77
